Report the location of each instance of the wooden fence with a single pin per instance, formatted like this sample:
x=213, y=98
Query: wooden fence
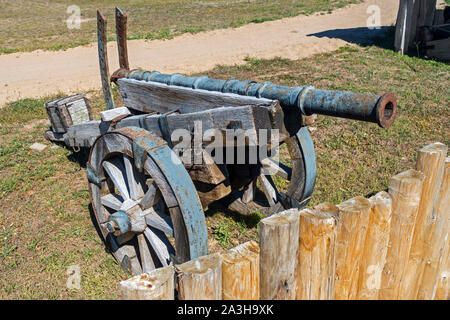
x=392, y=246
x=423, y=29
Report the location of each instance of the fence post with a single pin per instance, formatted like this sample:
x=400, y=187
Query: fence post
x=200, y=279
x=375, y=247
x=405, y=189
x=278, y=259
x=157, y=284
x=430, y=162
x=354, y=219
x=435, y=281
x=240, y=272
x=316, y=252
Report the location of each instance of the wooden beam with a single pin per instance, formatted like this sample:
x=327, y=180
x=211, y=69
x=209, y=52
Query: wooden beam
x=200, y=279
x=430, y=162
x=375, y=247
x=103, y=60
x=278, y=260
x=435, y=282
x=155, y=285
x=405, y=189
x=316, y=253
x=354, y=219
x=240, y=272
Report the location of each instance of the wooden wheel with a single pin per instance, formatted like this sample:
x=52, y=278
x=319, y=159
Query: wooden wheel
x=144, y=201
x=282, y=185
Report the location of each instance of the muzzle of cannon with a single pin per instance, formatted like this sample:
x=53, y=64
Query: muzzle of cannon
x=309, y=100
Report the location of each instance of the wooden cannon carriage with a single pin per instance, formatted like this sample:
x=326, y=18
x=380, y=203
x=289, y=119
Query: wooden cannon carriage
x=149, y=184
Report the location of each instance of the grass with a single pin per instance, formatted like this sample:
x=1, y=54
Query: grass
x=41, y=24
x=45, y=223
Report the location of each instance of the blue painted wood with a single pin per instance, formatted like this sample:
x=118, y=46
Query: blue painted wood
x=183, y=187
x=309, y=157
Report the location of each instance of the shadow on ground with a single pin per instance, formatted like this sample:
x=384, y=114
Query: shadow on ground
x=363, y=36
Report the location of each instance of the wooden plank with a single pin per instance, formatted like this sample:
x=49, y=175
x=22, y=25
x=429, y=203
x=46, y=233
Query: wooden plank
x=121, y=34
x=109, y=115
x=200, y=279
x=354, y=217
x=405, y=190
x=153, y=96
x=78, y=111
x=430, y=162
x=155, y=285
x=278, y=255
x=375, y=247
x=85, y=134
x=435, y=282
x=103, y=60
x=240, y=272
x=316, y=253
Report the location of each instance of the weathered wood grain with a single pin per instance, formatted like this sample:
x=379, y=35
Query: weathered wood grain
x=435, y=282
x=354, y=217
x=152, y=96
x=155, y=285
x=109, y=115
x=430, y=162
x=316, y=253
x=240, y=272
x=200, y=279
x=405, y=190
x=375, y=247
x=278, y=255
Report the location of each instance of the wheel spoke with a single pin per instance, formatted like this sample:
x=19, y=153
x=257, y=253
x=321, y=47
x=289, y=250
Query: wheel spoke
x=162, y=248
x=112, y=201
x=151, y=197
x=268, y=189
x=277, y=168
x=116, y=172
x=134, y=179
x=158, y=221
x=146, y=257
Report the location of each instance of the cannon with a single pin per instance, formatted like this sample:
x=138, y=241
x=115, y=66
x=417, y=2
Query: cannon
x=152, y=170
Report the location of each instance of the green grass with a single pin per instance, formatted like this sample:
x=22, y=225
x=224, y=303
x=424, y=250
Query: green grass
x=41, y=24
x=45, y=223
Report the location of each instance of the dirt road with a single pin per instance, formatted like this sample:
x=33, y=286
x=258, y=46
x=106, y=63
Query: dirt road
x=39, y=73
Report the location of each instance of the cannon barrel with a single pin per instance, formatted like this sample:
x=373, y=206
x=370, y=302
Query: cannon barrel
x=309, y=100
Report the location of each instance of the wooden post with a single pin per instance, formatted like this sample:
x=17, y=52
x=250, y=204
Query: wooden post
x=435, y=279
x=316, y=252
x=430, y=162
x=200, y=279
x=375, y=247
x=278, y=260
x=404, y=25
x=240, y=272
x=354, y=218
x=405, y=190
x=158, y=284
